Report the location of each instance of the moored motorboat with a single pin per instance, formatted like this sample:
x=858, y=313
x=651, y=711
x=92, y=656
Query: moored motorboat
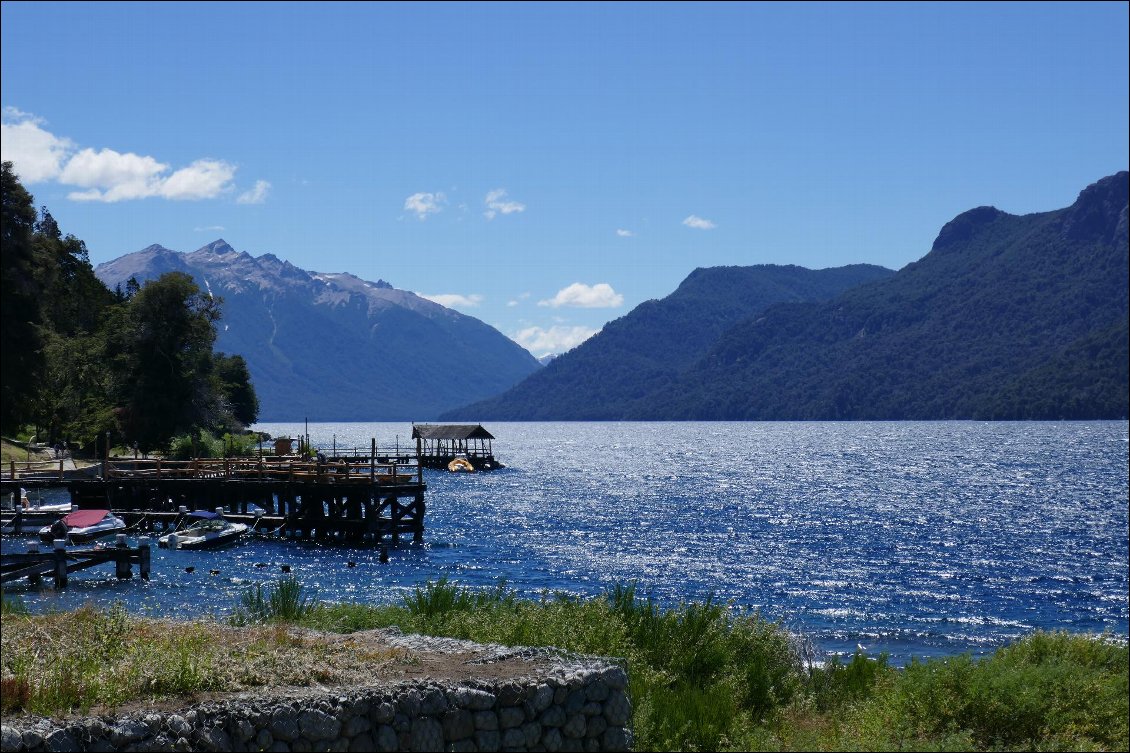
x=83, y=526
x=30, y=515
x=208, y=530
x=460, y=464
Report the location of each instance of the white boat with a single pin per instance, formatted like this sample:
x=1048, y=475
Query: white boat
x=208, y=531
x=83, y=526
x=32, y=515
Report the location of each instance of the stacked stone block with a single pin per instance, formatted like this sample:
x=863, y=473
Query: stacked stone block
x=572, y=708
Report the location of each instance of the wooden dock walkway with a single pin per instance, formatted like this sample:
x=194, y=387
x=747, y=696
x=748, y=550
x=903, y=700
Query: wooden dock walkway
x=354, y=498
x=60, y=562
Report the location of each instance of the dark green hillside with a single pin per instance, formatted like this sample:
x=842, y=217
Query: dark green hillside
x=1008, y=317
x=649, y=348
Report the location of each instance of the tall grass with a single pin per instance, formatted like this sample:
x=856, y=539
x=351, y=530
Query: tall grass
x=283, y=601
x=706, y=678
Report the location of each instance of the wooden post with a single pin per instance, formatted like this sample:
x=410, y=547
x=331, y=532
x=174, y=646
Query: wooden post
x=144, y=552
x=418, y=535
x=373, y=461
x=60, y=566
x=33, y=576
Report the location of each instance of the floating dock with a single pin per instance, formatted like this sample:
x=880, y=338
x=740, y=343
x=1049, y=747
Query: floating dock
x=60, y=562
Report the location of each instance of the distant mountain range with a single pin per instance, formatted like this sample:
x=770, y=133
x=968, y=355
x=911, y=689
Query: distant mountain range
x=1007, y=317
x=650, y=348
x=334, y=347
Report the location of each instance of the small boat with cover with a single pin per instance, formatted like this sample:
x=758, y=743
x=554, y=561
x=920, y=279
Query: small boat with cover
x=209, y=530
x=460, y=464
x=84, y=526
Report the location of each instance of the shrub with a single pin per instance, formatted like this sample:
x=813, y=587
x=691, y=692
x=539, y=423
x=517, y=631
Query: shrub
x=1069, y=689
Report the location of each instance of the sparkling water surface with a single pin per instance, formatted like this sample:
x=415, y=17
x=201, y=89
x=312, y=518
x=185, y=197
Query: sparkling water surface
x=911, y=538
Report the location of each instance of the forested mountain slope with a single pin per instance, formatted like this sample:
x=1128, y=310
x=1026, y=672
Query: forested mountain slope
x=647, y=349
x=1007, y=317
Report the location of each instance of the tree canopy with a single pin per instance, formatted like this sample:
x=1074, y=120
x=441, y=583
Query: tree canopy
x=81, y=360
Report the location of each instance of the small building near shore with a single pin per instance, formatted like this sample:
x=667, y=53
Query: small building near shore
x=439, y=444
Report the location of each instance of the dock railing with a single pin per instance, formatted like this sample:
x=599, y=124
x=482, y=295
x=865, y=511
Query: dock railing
x=34, y=470
x=358, y=470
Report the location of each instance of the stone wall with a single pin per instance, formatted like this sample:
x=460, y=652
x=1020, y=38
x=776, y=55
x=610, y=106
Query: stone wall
x=576, y=707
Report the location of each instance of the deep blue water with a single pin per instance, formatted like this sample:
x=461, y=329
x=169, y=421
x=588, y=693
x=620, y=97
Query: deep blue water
x=918, y=539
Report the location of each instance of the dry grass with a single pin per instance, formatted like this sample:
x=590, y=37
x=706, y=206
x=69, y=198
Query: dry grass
x=93, y=658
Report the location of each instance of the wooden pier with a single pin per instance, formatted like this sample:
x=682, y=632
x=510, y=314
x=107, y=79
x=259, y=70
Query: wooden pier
x=61, y=562
x=348, y=498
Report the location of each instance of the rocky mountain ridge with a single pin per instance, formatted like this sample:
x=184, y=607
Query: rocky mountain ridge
x=335, y=347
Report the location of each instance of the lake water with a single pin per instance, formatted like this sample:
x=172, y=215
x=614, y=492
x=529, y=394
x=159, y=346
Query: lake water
x=916, y=538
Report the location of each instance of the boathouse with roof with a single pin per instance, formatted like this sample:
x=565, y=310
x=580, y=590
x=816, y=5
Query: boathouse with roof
x=439, y=444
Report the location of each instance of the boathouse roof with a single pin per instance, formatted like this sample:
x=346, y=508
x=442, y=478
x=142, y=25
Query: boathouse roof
x=450, y=431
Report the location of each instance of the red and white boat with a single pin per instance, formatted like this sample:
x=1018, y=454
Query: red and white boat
x=83, y=526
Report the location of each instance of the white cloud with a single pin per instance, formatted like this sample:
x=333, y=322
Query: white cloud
x=112, y=176
x=105, y=174
x=203, y=179
x=578, y=294
x=542, y=342
x=454, y=300
x=209, y=229
x=37, y=155
x=424, y=204
x=699, y=223
x=256, y=195
x=496, y=204
x=624, y=233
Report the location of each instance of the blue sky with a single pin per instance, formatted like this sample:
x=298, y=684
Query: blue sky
x=548, y=167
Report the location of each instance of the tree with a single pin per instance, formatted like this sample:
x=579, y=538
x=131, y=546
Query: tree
x=21, y=340
x=161, y=349
x=73, y=298
x=241, y=402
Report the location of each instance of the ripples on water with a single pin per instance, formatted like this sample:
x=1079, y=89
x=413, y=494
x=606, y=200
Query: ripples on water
x=918, y=539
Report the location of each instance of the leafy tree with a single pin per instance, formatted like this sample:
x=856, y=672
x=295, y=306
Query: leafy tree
x=74, y=299
x=238, y=394
x=21, y=339
x=161, y=349
x=72, y=402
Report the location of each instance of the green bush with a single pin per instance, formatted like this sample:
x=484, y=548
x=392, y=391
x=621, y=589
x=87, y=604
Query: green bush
x=241, y=445
x=206, y=445
x=1048, y=690
x=836, y=684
